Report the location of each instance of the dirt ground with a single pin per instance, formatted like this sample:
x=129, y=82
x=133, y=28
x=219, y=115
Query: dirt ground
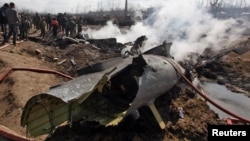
x=19, y=86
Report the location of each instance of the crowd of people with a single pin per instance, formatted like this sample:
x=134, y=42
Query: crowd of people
x=17, y=25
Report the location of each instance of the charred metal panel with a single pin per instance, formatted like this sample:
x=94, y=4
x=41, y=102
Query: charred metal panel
x=109, y=42
x=77, y=99
x=86, y=83
x=100, y=66
x=162, y=50
x=159, y=76
x=105, y=97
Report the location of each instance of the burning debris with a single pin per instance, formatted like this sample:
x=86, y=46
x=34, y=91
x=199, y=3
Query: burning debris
x=109, y=91
x=114, y=88
x=106, y=95
x=135, y=49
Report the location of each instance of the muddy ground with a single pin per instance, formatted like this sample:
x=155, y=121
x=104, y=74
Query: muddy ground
x=38, y=53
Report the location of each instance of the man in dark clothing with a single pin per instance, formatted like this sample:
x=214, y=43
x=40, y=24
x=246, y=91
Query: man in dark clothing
x=4, y=21
x=48, y=21
x=42, y=27
x=63, y=22
x=37, y=19
x=25, y=25
x=71, y=27
x=13, y=22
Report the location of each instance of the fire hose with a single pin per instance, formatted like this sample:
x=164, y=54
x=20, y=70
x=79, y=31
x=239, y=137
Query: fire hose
x=31, y=69
x=204, y=96
x=4, y=75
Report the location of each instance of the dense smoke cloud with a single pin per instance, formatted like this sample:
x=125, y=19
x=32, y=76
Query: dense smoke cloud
x=190, y=28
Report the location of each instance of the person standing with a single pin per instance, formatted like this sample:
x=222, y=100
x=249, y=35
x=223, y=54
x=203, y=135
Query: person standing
x=26, y=27
x=63, y=22
x=37, y=20
x=54, y=26
x=42, y=27
x=13, y=21
x=71, y=27
x=79, y=25
x=4, y=21
x=48, y=21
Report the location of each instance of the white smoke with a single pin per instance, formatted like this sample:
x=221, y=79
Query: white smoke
x=107, y=31
x=184, y=23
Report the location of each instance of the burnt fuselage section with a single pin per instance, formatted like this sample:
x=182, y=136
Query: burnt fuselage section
x=105, y=92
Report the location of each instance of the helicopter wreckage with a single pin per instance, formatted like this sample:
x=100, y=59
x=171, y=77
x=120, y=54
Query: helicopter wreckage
x=105, y=92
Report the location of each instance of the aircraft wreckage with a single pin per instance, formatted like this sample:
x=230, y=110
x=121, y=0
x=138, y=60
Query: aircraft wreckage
x=105, y=92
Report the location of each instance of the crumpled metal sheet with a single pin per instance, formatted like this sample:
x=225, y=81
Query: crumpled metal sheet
x=77, y=87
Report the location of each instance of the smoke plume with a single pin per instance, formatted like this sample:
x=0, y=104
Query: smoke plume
x=186, y=24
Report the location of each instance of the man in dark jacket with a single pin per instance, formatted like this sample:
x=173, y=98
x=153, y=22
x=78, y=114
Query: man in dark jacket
x=13, y=21
x=4, y=21
x=71, y=27
x=48, y=21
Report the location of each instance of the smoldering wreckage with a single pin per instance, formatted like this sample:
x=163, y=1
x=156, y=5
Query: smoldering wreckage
x=108, y=91
x=115, y=88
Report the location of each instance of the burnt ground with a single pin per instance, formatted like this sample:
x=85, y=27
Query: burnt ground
x=38, y=53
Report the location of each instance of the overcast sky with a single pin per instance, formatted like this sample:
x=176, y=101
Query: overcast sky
x=72, y=6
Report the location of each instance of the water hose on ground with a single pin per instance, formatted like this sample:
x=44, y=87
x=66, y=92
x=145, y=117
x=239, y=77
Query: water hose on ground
x=4, y=75
x=204, y=96
x=12, y=135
